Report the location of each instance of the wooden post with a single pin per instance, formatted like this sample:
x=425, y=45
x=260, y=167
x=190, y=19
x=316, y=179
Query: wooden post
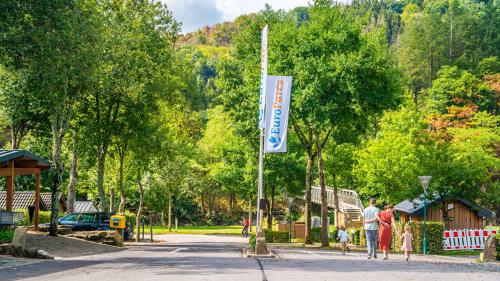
x=10, y=187
x=37, y=201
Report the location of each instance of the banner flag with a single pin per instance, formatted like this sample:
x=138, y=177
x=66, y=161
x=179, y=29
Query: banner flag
x=263, y=78
x=279, y=90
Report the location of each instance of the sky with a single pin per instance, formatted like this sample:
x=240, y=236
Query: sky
x=197, y=13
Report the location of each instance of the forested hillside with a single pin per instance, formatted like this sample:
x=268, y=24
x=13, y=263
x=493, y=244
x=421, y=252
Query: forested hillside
x=132, y=114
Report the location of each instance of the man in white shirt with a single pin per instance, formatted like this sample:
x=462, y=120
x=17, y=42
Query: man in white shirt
x=371, y=219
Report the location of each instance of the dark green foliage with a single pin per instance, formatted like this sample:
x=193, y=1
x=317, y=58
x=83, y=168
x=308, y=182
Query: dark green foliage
x=498, y=246
x=316, y=234
x=276, y=236
x=355, y=235
x=6, y=235
x=251, y=242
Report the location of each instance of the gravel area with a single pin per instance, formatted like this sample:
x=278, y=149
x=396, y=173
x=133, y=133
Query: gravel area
x=61, y=246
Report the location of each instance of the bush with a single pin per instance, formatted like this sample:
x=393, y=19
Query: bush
x=355, y=235
x=276, y=236
x=6, y=234
x=435, y=232
x=498, y=246
x=130, y=217
x=316, y=234
x=251, y=243
x=44, y=217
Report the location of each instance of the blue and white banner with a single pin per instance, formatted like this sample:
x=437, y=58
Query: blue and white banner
x=263, y=76
x=279, y=89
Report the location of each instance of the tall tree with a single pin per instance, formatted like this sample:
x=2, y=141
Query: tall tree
x=136, y=55
x=342, y=78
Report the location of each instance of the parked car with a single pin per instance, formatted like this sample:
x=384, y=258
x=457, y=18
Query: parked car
x=91, y=222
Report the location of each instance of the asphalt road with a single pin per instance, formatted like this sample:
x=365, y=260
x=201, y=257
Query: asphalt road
x=193, y=257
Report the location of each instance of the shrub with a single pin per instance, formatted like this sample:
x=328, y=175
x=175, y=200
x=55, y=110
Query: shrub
x=251, y=243
x=276, y=236
x=498, y=246
x=435, y=232
x=130, y=217
x=354, y=235
x=44, y=217
x=6, y=234
x=316, y=234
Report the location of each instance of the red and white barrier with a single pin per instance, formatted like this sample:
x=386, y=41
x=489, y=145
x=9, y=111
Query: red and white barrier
x=466, y=239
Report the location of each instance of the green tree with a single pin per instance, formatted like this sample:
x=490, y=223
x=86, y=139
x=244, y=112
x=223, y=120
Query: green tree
x=342, y=78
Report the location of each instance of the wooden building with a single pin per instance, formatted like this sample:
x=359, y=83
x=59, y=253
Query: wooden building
x=15, y=162
x=461, y=213
x=23, y=200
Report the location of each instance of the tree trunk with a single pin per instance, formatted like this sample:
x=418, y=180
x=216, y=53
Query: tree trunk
x=271, y=208
x=324, y=203
x=444, y=208
x=170, y=202
x=57, y=169
x=121, y=209
x=139, y=209
x=72, y=178
x=250, y=213
x=162, y=217
x=498, y=215
x=202, y=205
x=231, y=204
x=101, y=159
x=336, y=202
x=111, y=200
x=308, y=204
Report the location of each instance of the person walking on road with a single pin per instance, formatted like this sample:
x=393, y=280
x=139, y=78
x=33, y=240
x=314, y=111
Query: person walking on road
x=246, y=225
x=385, y=233
x=407, y=242
x=342, y=236
x=371, y=219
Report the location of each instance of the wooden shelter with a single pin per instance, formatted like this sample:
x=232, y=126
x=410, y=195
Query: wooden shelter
x=15, y=162
x=462, y=214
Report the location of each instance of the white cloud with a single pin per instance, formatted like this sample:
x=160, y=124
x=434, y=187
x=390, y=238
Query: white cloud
x=197, y=13
x=194, y=13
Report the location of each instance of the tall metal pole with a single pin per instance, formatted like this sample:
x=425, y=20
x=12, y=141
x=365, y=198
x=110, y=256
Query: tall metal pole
x=425, y=180
x=260, y=177
x=425, y=221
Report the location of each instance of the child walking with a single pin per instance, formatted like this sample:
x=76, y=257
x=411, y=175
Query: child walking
x=407, y=238
x=343, y=237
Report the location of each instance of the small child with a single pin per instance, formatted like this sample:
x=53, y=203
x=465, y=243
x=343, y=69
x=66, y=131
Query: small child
x=342, y=236
x=407, y=238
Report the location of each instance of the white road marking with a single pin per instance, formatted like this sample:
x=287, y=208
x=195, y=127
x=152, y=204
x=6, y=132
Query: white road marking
x=180, y=249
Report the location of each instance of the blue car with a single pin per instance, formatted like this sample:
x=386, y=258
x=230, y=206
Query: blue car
x=91, y=222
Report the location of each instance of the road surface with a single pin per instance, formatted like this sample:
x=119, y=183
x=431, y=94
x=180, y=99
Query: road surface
x=206, y=257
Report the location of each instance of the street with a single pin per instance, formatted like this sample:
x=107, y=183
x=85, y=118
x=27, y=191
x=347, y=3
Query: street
x=209, y=257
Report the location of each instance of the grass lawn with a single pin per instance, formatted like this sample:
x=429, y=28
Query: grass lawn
x=222, y=230
x=462, y=253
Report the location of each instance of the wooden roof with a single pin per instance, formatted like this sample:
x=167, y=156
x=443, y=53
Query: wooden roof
x=24, y=199
x=22, y=158
x=416, y=206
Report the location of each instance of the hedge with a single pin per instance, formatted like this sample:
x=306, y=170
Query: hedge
x=276, y=236
x=271, y=237
x=435, y=232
